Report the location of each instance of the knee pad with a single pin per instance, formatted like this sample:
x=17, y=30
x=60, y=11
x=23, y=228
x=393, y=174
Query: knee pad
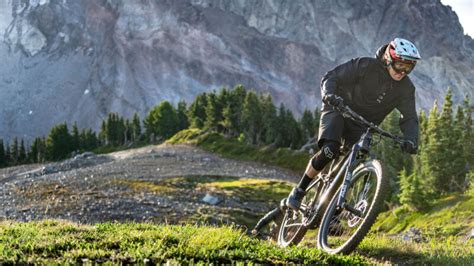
x=328, y=152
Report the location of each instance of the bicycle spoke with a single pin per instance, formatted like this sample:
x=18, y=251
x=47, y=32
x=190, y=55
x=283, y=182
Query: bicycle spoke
x=367, y=185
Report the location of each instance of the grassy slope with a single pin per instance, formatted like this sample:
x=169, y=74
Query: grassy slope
x=55, y=241
x=444, y=228
x=231, y=148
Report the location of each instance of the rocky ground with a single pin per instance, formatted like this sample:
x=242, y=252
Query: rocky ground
x=154, y=183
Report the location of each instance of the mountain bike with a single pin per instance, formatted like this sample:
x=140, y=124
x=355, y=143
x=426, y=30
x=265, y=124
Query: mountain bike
x=345, y=198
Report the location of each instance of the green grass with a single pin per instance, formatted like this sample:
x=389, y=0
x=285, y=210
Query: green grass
x=232, y=148
x=444, y=228
x=434, y=251
x=54, y=241
x=450, y=216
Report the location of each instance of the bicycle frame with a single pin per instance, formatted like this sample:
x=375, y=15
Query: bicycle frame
x=344, y=169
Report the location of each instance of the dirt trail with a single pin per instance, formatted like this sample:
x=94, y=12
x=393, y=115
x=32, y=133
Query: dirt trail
x=92, y=188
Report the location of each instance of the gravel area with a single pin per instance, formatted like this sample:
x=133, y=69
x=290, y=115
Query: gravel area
x=92, y=188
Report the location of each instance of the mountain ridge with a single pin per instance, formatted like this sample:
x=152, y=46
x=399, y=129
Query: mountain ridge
x=79, y=60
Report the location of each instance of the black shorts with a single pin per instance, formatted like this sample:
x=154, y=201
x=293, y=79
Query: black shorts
x=333, y=126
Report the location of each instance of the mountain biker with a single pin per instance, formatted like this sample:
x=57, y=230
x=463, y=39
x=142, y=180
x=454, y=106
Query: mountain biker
x=372, y=87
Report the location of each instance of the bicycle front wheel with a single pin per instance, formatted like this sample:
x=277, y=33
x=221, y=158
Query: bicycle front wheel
x=342, y=229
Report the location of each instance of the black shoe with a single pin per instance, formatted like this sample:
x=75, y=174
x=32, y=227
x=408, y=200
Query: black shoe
x=295, y=198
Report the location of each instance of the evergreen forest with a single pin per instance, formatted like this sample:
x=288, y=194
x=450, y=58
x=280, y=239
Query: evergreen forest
x=443, y=164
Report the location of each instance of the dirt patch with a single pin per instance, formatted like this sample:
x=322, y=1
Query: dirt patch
x=165, y=183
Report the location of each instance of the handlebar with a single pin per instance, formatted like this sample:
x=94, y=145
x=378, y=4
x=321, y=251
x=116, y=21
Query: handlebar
x=346, y=111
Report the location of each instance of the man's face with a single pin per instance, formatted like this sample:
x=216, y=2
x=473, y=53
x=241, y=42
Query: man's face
x=396, y=75
x=398, y=70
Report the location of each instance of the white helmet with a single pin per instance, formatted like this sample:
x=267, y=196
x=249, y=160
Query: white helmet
x=402, y=55
x=402, y=49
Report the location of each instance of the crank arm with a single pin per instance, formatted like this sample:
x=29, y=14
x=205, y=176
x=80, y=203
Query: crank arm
x=355, y=212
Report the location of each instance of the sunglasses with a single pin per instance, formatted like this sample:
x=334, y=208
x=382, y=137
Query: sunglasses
x=402, y=68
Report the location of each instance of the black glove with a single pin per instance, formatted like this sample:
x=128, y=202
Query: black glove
x=333, y=99
x=409, y=146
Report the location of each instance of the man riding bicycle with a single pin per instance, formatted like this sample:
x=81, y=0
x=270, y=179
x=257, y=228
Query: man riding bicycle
x=372, y=87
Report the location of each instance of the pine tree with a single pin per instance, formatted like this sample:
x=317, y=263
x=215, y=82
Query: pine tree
x=412, y=191
x=422, y=142
x=317, y=118
x=468, y=136
x=232, y=112
x=226, y=123
x=89, y=140
x=162, y=121
x=252, y=118
x=295, y=134
x=182, y=117
x=136, y=127
x=128, y=132
x=431, y=151
x=392, y=156
x=37, y=153
x=458, y=163
x=307, y=125
x=22, y=159
x=148, y=124
x=114, y=130
x=423, y=121
x=437, y=156
x=58, y=144
x=197, y=111
x=122, y=130
x=8, y=156
x=75, y=146
x=222, y=100
x=111, y=131
x=14, y=152
x=451, y=164
x=213, y=112
x=269, y=117
x=283, y=134
x=103, y=133
x=3, y=161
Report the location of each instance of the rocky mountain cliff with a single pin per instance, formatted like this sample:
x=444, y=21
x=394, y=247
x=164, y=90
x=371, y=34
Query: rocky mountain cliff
x=65, y=60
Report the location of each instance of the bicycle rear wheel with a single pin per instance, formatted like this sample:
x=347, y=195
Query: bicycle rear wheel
x=295, y=223
x=342, y=230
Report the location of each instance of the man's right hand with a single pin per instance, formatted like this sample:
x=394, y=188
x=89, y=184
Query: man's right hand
x=333, y=99
x=409, y=146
